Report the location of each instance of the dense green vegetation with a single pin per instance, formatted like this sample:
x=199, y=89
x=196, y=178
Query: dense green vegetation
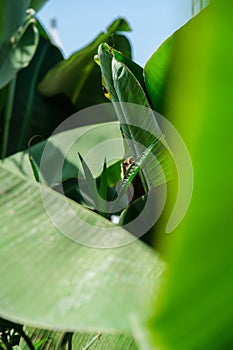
x=71, y=278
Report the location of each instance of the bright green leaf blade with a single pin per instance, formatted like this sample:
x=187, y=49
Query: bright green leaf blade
x=50, y=281
x=194, y=310
x=79, y=76
x=124, y=87
x=156, y=73
x=160, y=71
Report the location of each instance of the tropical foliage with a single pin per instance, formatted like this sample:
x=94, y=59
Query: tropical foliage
x=59, y=289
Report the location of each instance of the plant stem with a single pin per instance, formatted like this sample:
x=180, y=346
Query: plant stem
x=193, y=7
x=92, y=341
x=7, y=117
x=201, y=5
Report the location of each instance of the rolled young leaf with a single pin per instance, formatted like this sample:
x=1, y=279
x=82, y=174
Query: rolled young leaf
x=138, y=122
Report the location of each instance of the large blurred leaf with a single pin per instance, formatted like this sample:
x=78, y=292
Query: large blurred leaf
x=194, y=310
x=156, y=73
x=160, y=71
x=50, y=281
x=79, y=77
x=34, y=114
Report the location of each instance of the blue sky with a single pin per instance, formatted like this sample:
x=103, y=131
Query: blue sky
x=152, y=21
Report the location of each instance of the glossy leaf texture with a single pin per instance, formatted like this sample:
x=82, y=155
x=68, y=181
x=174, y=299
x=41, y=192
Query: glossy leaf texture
x=79, y=77
x=194, y=309
x=46, y=269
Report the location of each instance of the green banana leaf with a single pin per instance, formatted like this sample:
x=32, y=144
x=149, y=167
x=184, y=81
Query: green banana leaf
x=79, y=77
x=140, y=129
x=194, y=308
x=138, y=122
x=50, y=281
x=121, y=84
